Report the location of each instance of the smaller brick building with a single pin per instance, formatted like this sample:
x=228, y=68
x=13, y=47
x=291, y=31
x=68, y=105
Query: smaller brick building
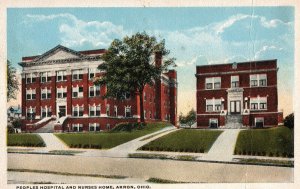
x=238, y=94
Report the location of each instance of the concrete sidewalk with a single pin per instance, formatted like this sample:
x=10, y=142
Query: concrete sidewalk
x=223, y=147
x=52, y=142
x=129, y=147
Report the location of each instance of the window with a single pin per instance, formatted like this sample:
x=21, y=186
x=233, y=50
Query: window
x=258, y=103
x=213, y=83
x=31, y=94
x=30, y=113
x=77, y=74
x=61, y=75
x=77, y=111
x=145, y=97
x=258, y=80
x=45, y=93
x=95, y=110
x=61, y=92
x=127, y=111
x=259, y=122
x=213, y=105
x=108, y=126
x=92, y=72
x=45, y=77
x=94, y=127
x=46, y=112
x=145, y=114
x=213, y=123
x=77, y=127
x=116, y=111
x=94, y=90
x=77, y=92
x=107, y=110
x=30, y=77
x=235, y=81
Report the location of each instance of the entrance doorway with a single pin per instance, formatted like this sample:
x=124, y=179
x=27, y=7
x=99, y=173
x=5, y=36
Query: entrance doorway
x=235, y=107
x=61, y=111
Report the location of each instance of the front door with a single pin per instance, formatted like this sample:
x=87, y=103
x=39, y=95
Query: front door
x=61, y=111
x=235, y=107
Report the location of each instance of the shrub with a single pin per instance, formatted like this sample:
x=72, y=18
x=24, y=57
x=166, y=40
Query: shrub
x=289, y=121
x=271, y=154
x=17, y=123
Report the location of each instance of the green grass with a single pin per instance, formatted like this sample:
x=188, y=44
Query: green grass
x=267, y=161
x=29, y=140
x=277, y=142
x=185, y=140
x=106, y=140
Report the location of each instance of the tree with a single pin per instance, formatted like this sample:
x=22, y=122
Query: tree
x=12, y=82
x=189, y=119
x=289, y=121
x=128, y=66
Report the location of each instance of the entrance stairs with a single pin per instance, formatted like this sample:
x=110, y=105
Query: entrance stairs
x=48, y=128
x=234, y=122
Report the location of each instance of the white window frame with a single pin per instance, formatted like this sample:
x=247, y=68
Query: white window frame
x=61, y=75
x=234, y=81
x=30, y=77
x=62, y=91
x=46, y=75
x=96, y=109
x=107, y=109
x=77, y=109
x=127, y=110
x=47, y=92
x=77, y=126
x=212, y=81
x=94, y=126
x=31, y=93
x=77, y=74
x=258, y=78
x=31, y=110
x=259, y=118
x=259, y=100
x=94, y=89
x=215, y=103
x=115, y=111
x=213, y=119
x=75, y=90
x=93, y=71
x=47, y=111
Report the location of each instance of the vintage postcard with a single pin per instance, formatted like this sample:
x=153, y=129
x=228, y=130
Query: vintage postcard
x=146, y=95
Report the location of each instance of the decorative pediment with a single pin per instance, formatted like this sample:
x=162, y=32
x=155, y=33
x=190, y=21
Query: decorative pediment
x=58, y=53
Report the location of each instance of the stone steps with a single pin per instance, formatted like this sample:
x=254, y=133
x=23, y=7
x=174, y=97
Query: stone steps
x=233, y=122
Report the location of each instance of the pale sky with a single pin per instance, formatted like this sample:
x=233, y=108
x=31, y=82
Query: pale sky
x=194, y=36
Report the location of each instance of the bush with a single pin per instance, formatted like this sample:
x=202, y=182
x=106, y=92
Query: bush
x=17, y=123
x=289, y=121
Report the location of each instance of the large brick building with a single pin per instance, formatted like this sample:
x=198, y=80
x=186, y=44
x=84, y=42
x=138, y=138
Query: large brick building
x=238, y=94
x=57, y=86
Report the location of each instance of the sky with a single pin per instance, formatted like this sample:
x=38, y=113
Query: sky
x=194, y=36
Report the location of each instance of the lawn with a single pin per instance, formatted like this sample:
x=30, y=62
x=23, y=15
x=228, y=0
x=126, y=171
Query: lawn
x=31, y=140
x=106, y=140
x=185, y=140
x=277, y=141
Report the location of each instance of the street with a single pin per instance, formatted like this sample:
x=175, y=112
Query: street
x=142, y=169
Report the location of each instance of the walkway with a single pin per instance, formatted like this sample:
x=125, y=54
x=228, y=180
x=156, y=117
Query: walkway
x=129, y=147
x=52, y=142
x=223, y=147
x=49, y=128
